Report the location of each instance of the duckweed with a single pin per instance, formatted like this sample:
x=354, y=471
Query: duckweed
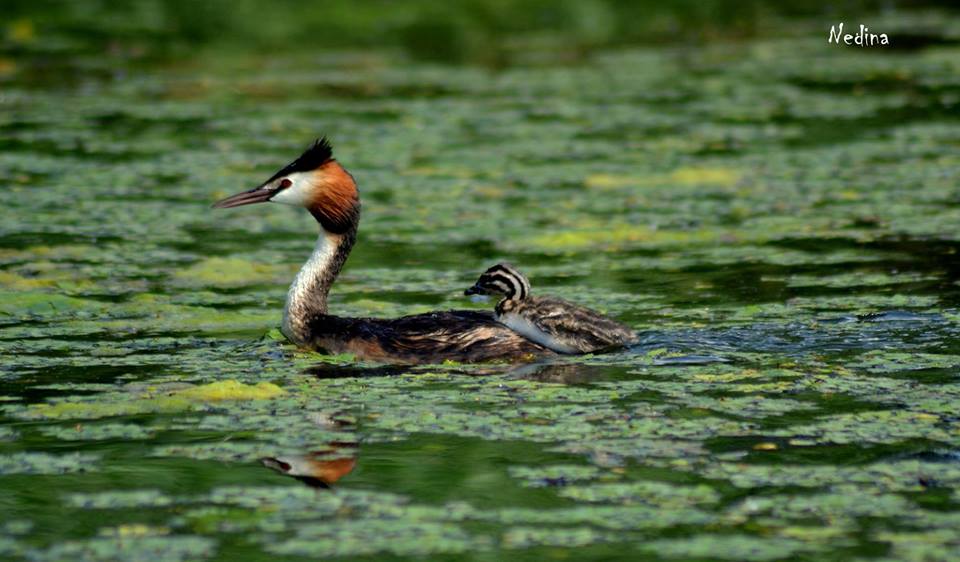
x=777, y=219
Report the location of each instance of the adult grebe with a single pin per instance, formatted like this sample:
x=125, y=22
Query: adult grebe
x=562, y=326
x=317, y=182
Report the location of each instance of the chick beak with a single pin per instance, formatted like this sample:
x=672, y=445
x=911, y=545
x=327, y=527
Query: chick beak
x=475, y=290
x=256, y=195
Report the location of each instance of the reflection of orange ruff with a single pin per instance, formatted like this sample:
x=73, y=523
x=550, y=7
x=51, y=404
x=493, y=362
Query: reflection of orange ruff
x=316, y=468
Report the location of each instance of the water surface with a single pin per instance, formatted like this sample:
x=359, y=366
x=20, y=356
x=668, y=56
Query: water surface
x=779, y=220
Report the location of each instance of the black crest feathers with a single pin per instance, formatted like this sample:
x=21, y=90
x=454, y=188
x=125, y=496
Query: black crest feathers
x=312, y=158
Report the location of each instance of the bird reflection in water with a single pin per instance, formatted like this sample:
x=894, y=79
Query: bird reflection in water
x=329, y=462
x=324, y=465
x=546, y=371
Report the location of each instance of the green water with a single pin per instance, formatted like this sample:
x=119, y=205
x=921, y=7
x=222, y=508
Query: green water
x=778, y=218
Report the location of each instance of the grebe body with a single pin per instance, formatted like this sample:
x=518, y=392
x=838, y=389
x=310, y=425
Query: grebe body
x=318, y=183
x=559, y=325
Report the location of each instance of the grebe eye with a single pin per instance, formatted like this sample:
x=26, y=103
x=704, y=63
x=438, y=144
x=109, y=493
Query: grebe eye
x=285, y=183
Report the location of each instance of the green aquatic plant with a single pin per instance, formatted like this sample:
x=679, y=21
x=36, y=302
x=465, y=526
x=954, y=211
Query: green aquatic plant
x=46, y=463
x=777, y=221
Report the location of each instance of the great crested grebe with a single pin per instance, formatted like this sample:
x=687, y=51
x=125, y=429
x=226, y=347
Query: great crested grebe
x=562, y=326
x=317, y=182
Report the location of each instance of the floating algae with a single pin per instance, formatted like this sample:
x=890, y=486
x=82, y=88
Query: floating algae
x=778, y=220
x=153, y=400
x=46, y=463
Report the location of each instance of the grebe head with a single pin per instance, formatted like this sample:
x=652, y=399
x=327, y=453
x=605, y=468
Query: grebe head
x=501, y=279
x=314, y=181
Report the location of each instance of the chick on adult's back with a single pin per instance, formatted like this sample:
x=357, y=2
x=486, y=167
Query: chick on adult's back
x=554, y=323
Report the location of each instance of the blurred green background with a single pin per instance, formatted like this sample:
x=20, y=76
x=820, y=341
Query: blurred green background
x=487, y=32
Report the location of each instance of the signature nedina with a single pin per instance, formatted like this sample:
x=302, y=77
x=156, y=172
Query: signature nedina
x=862, y=38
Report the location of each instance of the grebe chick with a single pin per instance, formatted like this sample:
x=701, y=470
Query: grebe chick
x=560, y=325
x=318, y=183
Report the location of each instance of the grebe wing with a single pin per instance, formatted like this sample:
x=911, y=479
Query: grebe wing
x=567, y=320
x=456, y=331
x=433, y=337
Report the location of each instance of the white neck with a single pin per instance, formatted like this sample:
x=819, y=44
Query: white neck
x=308, y=292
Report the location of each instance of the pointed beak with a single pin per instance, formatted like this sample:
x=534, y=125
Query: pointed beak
x=475, y=290
x=255, y=195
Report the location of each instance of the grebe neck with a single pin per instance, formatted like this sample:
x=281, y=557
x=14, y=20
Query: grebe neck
x=506, y=305
x=307, y=297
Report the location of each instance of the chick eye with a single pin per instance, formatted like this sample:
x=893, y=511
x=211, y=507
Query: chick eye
x=285, y=183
